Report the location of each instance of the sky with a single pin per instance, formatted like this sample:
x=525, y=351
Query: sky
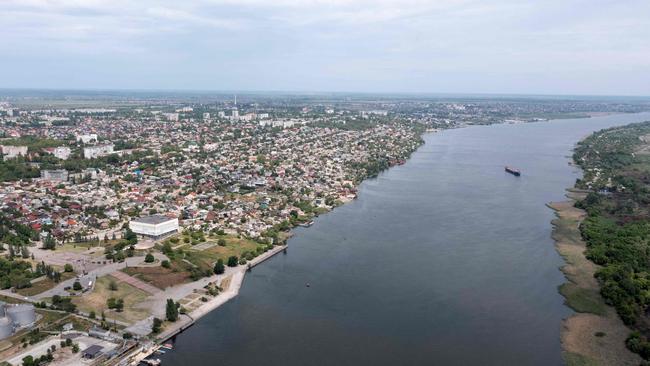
x=578, y=47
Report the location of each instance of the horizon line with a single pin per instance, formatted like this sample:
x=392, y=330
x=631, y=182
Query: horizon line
x=317, y=92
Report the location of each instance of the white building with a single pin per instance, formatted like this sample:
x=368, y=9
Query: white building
x=56, y=175
x=171, y=116
x=11, y=152
x=60, y=152
x=92, y=152
x=87, y=138
x=206, y=115
x=155, y=226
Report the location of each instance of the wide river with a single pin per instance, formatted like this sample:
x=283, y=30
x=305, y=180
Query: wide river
x=446, y=260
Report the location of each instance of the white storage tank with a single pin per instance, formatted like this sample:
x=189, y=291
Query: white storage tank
x=6, y=327
x=21, y=314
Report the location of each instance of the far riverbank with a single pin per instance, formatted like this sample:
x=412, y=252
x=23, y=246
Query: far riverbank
x=594, y=335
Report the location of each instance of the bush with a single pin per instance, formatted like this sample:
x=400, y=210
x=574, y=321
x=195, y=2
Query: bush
x=232, y=261
x=221, y=242
x=76, y=286
x=165, y=264
x=68, y=267
x=112, y=285
x=155, y=327
x=149, y=258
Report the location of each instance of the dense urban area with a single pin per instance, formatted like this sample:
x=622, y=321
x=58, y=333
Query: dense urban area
x=126, y=216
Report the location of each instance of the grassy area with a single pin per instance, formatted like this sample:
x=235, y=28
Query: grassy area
x=96, y=300
x=43, y=285
x=234, y=246
x=574, y=359
x=11, y=300
x=159, y=276
x=583, y=300
x=78, y=323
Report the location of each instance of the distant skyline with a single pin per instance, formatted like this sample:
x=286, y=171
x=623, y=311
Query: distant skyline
x=571, y=47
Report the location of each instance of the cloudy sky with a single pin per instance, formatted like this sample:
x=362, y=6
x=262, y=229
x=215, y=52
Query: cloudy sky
x=445, y=46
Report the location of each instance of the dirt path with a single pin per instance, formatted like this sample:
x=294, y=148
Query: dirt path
x=136, y=282
x=595, y=335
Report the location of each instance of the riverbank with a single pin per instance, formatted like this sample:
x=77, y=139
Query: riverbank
x=234, y=280
x=594, y=335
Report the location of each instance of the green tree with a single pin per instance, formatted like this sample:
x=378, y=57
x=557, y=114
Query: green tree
x=155, y=326
x=68, y=267
x=49, y=242
x=76, y=286
x=112, y=285
x=219, y=267
x=149, y=258
x=233, y=261
x=171, y=311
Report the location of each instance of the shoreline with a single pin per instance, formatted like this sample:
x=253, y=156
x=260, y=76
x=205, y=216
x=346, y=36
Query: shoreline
x=237, y=275
x=236, y=280
x=594, y=334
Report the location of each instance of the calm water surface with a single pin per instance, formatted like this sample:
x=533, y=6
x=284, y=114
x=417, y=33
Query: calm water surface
x=446, y=260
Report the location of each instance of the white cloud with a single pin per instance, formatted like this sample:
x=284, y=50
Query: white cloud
x=293, y=38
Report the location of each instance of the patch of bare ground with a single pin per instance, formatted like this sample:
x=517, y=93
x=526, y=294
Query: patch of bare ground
x=225, y=283
x=595, y=335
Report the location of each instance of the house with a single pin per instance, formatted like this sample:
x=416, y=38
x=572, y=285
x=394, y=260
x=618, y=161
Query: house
x=92, y=352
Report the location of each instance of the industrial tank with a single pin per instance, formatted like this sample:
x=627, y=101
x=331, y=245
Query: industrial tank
x=21, y=314
x=6, y=327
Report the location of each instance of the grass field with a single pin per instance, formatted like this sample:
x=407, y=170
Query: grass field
x=43, y=285
x=234, y=246
x=574, y=359
x=583, y=300
x=159, y=276
x=96, y=300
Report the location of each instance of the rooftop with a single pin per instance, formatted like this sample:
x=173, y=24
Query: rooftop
x=153, y=219
x=93, y=350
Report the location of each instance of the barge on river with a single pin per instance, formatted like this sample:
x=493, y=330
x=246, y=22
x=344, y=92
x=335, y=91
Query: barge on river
x=513, y=171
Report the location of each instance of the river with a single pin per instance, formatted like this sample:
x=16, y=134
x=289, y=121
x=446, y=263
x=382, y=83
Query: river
x=445, y=260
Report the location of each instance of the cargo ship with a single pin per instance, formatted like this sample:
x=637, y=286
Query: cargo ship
x=513, y=171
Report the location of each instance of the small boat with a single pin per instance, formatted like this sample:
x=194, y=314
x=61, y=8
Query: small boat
x=306, y=224
x=307, y=284
x=513, y=171
x=160, y=351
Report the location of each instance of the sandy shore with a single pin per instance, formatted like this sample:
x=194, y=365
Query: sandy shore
x=594, y=335
x=236, y=279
